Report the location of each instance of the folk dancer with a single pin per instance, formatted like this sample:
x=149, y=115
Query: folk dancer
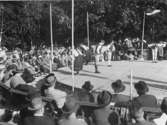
x=154, y=49
x=98, y=50
x=111, y=50
x=161, y=46
x=78, y=61
x=98, y=55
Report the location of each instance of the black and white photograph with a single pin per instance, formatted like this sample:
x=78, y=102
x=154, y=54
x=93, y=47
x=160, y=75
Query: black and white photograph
x=83, y=62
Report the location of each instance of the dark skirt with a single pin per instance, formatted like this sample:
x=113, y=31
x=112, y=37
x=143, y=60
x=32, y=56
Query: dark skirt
x=78, y=63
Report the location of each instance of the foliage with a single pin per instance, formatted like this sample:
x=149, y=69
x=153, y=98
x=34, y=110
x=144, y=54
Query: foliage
x=27, y=23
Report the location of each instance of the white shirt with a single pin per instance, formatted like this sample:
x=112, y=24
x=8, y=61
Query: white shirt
x=58, y=95
x=162, y=120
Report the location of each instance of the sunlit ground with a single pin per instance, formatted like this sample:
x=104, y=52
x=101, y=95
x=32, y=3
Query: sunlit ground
x=155, y=74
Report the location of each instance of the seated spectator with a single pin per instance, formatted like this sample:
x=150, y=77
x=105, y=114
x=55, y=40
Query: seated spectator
x=57, y=95
x=85, y=94
x=69, y=111
x=163, y=119
x=138, y=114
x=114, y=119
x=145, y=99
x=38, y=118
x=24, y=78
x=118, y=88
x=100, y=115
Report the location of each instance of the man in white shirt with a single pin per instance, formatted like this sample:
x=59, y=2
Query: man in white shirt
x=162, y=120
x=57, y=95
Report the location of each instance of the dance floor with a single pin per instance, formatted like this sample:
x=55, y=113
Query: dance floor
x=155, y=75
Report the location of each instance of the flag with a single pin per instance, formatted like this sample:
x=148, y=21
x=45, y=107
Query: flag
x=153, y=12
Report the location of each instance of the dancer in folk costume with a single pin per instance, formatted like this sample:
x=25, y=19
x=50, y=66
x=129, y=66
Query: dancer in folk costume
x=111, y=50
x=78, y=61
x=161, y=46
x=98, y=51
x=154, y=49
x=98, y=54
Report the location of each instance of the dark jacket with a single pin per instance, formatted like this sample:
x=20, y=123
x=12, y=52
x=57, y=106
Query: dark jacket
x=37, y=120
x=147, y=100
x=101, y=115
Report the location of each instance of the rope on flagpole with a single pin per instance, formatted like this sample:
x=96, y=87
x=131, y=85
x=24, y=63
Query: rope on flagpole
x=73, y=78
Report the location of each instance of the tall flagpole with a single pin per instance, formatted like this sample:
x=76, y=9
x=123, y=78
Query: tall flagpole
x=131, y=80
x=72, y=33
x=88, y=29
x=144, y=18
x=51, y=38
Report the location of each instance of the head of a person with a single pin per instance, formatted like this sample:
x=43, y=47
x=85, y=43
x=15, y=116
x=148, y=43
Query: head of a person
x=50, y=80
x=164, y=105
x=114, y=119
x=71, y=106
x=87, y=86
x=28, y=75
x=118, y=86
x=36, y=105
x=136, y=109
x=141, y=88
x=104, y=98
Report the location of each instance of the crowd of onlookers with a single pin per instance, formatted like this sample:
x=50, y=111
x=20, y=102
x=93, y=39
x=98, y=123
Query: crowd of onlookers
x=25, y=101
x=30, y=95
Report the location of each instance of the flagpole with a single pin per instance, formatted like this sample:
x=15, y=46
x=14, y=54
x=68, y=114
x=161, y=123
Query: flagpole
x=131, y=81
x=88, y=29
x=1, y=29
x=144, y=18
x=51, y=38
x=72, y=33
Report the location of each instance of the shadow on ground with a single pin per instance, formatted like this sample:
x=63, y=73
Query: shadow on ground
x=147, y=79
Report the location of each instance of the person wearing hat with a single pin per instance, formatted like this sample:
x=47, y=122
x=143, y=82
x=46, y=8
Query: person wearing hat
x=86, y=92
x=118, y=87
x=37, y=117
x=69, y=112
x=57, y=95
x=22, y=78
x=101, y=114
x=162, y=120
x=137, y=113
x=145, y=99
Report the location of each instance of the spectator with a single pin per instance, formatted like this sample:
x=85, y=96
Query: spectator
x=145, y=99
x=138, y=114
x=26, y=77
x=57, y=95
x=163, y=119
x=85, y=94
x=118, y=88
x=38, y=118
x=69, y=111
x=100, y=115
x=114, y=119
